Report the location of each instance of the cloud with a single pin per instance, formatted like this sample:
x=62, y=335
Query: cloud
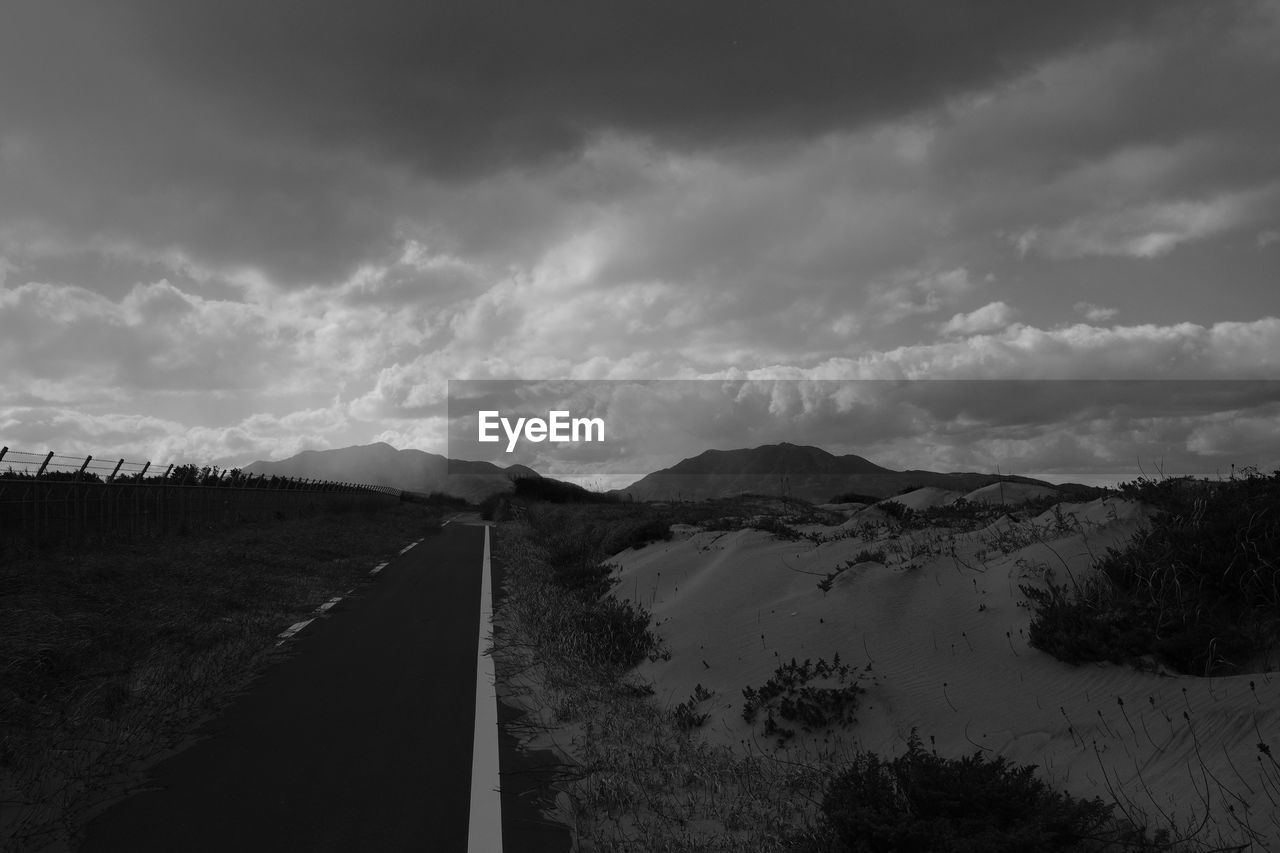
x=909, y=292
x=1095, y=313
x=1152, y=230
x=1224, y=350
x=163, y=441
x=989, y=318
x=298, y=147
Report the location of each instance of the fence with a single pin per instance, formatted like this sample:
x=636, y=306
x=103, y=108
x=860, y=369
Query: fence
x=48, y=497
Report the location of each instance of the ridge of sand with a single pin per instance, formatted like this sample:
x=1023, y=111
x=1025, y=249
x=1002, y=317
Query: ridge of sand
x=926, y=497
x=939, y=639
x=1010, y=494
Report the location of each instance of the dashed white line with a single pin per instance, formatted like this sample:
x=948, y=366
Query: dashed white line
x=324, y=608
x=293, y=629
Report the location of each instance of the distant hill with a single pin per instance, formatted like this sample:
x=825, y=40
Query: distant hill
x=799, y=471
x=411, y=470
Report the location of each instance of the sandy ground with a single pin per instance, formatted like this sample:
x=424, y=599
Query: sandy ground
x=937, y=633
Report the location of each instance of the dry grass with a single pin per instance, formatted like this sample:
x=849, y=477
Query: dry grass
x=639, y=781
x=115, y=654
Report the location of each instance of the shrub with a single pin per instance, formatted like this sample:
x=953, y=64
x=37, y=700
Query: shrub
x=619, y=630
x=811, y=707
x=921, y=802
x=901, y=512
x=535, y=488
x=779, y=529
x=686, y=713
x=635, y=533
x=489, y=507
x=1198, y=588
x=854, y=498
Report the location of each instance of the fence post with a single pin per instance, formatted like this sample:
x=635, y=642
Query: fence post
x=167, y=472
x=3, y=451
x=143, y=472
x=116, y=471
x=44, y=464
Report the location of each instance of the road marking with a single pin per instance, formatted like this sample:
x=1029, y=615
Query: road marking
x=484, y=831
x=324, y=608
x=293, y=629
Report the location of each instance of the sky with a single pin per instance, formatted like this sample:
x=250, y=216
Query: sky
x=234, y=231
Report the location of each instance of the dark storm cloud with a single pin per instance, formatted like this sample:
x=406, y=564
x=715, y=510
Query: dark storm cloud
x=473, y=85
x=299, y=138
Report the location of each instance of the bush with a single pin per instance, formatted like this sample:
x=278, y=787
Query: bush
x=779, y=529
x=619, y=631
x=812, y=708
x=635, y=533
x=921, y=802
x=548, y=490
x=853, y=498
x=489, y=507
x=896, y=510
x=1197, y=589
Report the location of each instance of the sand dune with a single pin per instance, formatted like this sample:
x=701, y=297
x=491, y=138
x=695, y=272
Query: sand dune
x=1011, y=494
x=939, y=638
x=929, y=496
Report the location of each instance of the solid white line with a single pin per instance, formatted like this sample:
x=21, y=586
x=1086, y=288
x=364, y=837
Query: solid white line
x=484, y=833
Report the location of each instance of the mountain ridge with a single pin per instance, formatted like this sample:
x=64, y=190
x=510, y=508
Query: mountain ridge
x=801, y=471
x=409, y=470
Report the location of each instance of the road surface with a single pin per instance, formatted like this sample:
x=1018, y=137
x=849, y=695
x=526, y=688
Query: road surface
x=362, y=739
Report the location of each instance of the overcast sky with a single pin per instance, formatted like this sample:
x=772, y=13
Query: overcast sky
x=234, y=230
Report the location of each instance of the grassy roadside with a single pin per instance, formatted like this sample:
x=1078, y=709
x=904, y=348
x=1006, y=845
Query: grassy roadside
x=641, y=781
x=114, y=655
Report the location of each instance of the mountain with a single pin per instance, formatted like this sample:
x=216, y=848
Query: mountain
x=804, y=472
x=410, y=470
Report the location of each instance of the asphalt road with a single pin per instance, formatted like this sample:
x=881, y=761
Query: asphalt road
x=362, y=739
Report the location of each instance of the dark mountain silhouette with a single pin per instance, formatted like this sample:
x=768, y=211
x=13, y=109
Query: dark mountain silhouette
x=410, y=470
x=794, y=470
x=797, y=471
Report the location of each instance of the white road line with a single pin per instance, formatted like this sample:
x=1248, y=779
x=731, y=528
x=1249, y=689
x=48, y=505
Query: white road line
x=293, y=629
x=484, y=832
x=324, y=608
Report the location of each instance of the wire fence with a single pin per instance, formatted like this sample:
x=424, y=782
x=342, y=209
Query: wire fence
x=45, y=497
